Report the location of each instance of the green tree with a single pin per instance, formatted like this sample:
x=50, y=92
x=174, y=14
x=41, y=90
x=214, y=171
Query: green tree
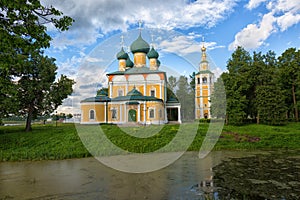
x=270, y=99
x=218, y=99
x=172, y=83
x=23, y=37
x=289, y=63
x=186, y=98
x=237, y=86
x=38, y=92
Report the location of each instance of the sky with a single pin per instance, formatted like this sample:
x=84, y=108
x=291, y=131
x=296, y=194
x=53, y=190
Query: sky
x=176, y=28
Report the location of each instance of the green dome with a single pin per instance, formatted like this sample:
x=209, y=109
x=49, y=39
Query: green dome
x=129, y=63
x=152, y=53
x=140, y=45
x=122, y=54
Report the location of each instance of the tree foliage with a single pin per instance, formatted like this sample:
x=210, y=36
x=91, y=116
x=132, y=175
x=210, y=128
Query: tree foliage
x=27, y=84
x=260, y=87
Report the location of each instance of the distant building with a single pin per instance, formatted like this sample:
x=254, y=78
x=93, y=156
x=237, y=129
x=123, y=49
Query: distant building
x=204, y=85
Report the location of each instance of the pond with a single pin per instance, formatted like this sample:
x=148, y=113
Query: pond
x=221, y=175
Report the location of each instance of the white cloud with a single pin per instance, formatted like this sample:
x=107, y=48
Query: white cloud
x=254, y=35
x=281, y=15
x=183, y=45
x=254, y=4
x=94, y=17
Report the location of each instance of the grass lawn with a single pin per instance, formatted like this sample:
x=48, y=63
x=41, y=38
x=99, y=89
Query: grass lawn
x=50, y=142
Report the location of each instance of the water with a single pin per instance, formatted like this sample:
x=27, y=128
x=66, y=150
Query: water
x=221, y=175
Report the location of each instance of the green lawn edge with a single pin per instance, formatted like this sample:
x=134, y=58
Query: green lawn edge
x=50, y=142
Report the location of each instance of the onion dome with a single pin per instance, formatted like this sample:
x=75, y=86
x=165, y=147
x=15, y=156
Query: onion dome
x=140, y=45
x=152, y=53
x=129, y=63
x=122, y=54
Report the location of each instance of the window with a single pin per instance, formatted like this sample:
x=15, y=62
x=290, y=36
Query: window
x=151, y=113
x=120, y=92
x=204, y=80
x=198, y=80
x=152, y=93
x=114, y=113
x=92, y=114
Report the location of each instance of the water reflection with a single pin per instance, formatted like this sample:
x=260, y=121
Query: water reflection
x=221, y=175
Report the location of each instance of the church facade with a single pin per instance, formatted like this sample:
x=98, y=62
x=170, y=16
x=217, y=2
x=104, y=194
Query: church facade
x=137, y=93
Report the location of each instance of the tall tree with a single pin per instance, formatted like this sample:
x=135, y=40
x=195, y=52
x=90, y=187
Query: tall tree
x=270, y=99
x=23, y=36
x=172, y=83
x=237, y=86
x=186, y=98
x=218, y=99
x=289, y=63
x=38, y=92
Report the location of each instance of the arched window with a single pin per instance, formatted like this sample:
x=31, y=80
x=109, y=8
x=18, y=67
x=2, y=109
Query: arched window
x=204, y=80
x=92, y=114
x=151, y=113
x=198, y=80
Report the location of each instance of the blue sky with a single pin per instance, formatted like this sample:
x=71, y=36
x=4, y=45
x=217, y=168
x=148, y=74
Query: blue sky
x=88, y=49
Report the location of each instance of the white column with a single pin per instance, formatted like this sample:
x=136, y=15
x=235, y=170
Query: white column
x=126, y=89
x=179, y=114
x=110, y=89
x=145, y=87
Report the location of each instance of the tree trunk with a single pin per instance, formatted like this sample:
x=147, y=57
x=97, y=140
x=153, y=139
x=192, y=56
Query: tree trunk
x=257, y=119
x=28, y=119
x=295, y=103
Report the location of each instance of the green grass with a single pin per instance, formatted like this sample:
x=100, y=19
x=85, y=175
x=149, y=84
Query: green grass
x=47, y=142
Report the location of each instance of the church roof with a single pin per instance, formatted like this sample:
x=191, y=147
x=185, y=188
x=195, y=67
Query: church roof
x=205, y=72
x=140, y=45
x=136, y=70
x=97, y=99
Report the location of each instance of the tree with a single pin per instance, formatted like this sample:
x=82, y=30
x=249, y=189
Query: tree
x=172, y=83
x=22, y=37
x=186, y=98
x=237, y=86
x=38, y=92
x=218, y=99
x=289, y=63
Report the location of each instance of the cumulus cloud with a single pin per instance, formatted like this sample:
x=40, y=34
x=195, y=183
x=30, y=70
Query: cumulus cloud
x=254, y=4
x=96, y=17
x=183, y=45
x=281, y=15
x=254, y=35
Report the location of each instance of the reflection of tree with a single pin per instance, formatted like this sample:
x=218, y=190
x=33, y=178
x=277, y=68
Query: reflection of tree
x=258, y=177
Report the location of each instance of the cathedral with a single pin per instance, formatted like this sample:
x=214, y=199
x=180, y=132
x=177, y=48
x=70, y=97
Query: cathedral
x=138, y=93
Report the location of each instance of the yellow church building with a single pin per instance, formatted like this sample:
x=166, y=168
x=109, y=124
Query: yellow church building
x=137, y=92
x=204, y=85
